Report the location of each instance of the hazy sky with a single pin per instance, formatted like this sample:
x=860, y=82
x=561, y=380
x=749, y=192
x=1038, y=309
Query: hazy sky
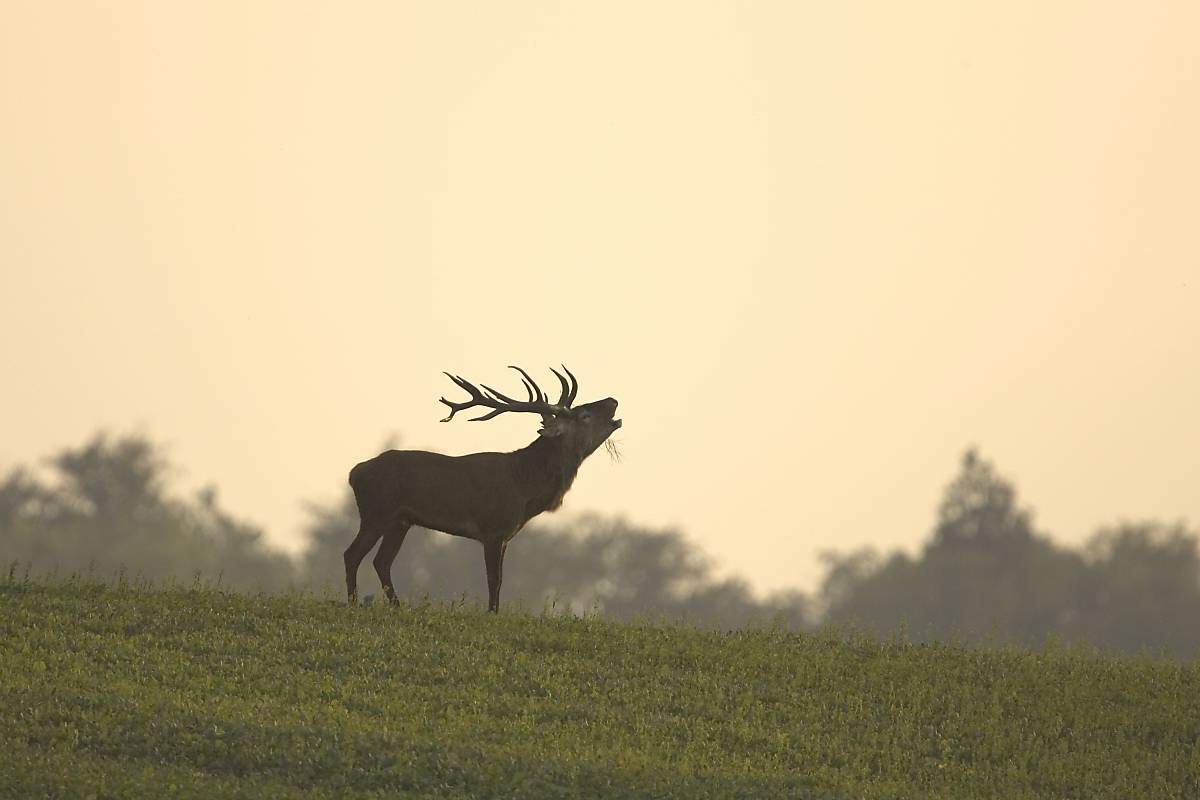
x=815, y=250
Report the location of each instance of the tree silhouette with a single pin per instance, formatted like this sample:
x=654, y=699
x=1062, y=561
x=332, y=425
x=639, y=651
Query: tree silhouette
x=1143, y=588
x=987, y=574
x=108, y=510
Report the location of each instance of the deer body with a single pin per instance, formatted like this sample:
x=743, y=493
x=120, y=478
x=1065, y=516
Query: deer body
x=487, y=497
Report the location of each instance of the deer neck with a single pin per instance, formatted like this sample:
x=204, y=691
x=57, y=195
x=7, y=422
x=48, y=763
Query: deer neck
x=545, y=470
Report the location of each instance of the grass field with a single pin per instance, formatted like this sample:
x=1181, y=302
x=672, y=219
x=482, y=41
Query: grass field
x=123, y=692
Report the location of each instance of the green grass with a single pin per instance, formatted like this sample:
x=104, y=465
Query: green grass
x=124, y=692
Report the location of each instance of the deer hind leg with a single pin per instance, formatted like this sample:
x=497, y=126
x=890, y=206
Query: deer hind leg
x=387, y=554
x=493, y=560
x=358, y=549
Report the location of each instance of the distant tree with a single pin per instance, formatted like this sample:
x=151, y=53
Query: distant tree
x=986, y=573
x=612, y=566
x=108, y=509
x=794, y=609
x=1143, y=588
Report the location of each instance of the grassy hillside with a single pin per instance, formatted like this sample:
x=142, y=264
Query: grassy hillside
x=123, y=692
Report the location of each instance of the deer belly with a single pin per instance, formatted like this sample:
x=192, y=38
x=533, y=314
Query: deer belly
x=453, y=524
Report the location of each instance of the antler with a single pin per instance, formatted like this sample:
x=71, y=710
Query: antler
x=488, y=397
x=568, y=392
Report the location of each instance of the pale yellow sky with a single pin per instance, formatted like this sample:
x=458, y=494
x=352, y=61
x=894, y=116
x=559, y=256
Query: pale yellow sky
x=815, y=250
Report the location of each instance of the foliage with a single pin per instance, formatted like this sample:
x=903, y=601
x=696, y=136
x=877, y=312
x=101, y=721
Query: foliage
x=117, y=691
x=987, y=574
x=1142, y=589
x=107, y=510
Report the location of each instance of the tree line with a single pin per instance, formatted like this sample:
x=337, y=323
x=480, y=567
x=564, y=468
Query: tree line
x=985, y=574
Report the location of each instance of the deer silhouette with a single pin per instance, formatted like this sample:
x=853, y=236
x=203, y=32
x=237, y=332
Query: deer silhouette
x=487, y=497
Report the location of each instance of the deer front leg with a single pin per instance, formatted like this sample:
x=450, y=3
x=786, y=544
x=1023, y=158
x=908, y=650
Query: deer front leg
x=493, y=559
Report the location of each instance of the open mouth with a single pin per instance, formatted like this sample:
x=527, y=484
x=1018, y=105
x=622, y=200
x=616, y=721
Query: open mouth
x=616, y=424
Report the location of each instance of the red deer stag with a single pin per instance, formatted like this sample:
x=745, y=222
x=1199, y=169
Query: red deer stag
x=487, y=497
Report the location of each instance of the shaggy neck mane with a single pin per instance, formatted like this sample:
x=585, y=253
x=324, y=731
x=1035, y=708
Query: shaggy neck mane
x=546, y=469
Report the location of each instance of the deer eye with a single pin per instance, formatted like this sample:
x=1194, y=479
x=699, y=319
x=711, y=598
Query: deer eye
x=585, y=417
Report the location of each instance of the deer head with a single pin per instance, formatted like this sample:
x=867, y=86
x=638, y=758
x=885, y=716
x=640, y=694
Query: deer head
x=579, y=429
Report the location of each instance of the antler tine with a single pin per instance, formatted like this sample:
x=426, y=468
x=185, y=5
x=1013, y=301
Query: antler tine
x=466, y=386
x=498, y=395
x=535, y=391
x=528, y=390
x=489, y=415
x=574, y=385
x=564, y=397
